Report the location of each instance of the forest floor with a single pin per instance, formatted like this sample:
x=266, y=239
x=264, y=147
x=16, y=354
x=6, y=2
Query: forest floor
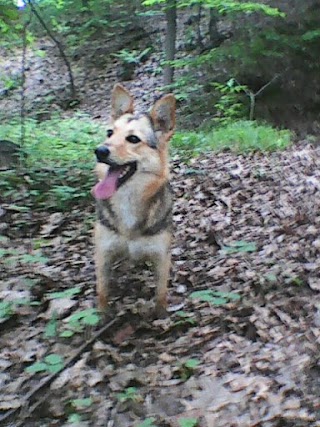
x=245, y=226
x=243, y=353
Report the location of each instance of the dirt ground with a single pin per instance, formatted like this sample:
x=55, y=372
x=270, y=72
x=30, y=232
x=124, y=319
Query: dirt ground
x=245, y=226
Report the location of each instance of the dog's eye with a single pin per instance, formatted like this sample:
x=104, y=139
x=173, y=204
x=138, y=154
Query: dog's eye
x=109, y=133
x=133, y=139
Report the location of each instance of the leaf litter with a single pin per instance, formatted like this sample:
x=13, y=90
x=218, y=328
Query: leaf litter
x=246, y=246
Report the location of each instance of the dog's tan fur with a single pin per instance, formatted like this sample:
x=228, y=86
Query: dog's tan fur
x=136, y=220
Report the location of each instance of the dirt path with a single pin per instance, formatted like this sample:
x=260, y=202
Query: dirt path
x=246, y=226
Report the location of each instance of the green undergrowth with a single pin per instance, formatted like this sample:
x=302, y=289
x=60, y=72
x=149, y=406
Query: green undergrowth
x=239, y=137
x=56, y=171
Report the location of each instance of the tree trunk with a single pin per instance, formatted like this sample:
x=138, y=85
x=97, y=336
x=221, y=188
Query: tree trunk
x=170, y=40
x=213, y=28
x=199, y=36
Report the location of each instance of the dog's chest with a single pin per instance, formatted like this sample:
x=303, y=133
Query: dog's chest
x=129, y=210
x=128, y=213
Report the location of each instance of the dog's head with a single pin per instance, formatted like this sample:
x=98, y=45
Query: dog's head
x=136, y=143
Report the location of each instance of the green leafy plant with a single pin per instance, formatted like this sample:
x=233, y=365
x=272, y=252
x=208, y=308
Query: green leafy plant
x=10, y=82
x=188, y=368
x=13, y=256
x=9, y=308
x=245, y=136
x=74, y=419
x=52, y=363
x=240, y=137
x=66, y=177
x=215, y=297
x=230, y=105
x=184, y=86
x=184, y=318
x=6, y=309
x=132, y=56
x=188, y=422
x=130, y=393
x=77, y=322
x=81, y=403
x=40, y=53
x=148, y=422
x=75, y=405
x=51, y=329
x=9, y=23
x=240, y=246
x=294, y=280
x=35, y=258
x=225, y=6
x=68, y=293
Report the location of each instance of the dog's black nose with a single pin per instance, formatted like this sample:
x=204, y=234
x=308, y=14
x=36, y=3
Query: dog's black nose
x=102, y=153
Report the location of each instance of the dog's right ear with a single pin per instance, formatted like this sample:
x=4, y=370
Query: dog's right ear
x=163, y=115
x=121, y=102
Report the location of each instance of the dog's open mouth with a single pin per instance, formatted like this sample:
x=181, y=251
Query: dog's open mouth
x=116, y=176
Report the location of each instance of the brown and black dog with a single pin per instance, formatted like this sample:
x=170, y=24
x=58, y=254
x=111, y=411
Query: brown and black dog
x=134, y=199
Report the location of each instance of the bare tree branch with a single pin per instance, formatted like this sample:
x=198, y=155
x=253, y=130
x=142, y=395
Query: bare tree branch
x=59, y=46
x=253, y=95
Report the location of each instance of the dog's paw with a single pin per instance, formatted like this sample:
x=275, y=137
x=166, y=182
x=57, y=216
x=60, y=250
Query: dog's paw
x=160, y=311
x=103, y=302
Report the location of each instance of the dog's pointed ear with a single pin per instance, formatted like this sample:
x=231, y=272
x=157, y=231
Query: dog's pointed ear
x=121, y=102
x=163, y=114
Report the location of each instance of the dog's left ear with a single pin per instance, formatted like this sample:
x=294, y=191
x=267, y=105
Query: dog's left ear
x=121, y=102
x=163, y=114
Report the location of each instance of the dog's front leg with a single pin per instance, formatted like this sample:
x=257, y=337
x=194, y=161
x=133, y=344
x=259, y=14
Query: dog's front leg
x=162, y=271
x=103, y=271
x=103, y=260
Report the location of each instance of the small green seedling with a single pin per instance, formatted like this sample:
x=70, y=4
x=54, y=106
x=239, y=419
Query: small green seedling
x=77, y=405
x=12, y=257
x=215, y=297
x=81, y=403
x=51, y=328
x=294, y=280
x=6, y=309
x=240, y=247
x=130, y=393
x=148, y=422
x=188, y=422
x=132, y=57
x=52, y=363
x=271, y=278
x=187, y=368
x=68, y=293
x=74, y=419
x=184, y=318
x=78, y=321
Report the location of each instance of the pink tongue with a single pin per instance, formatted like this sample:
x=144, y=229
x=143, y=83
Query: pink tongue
x=105, y=188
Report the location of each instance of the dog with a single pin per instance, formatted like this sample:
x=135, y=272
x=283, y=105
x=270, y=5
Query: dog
x=133, y=196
